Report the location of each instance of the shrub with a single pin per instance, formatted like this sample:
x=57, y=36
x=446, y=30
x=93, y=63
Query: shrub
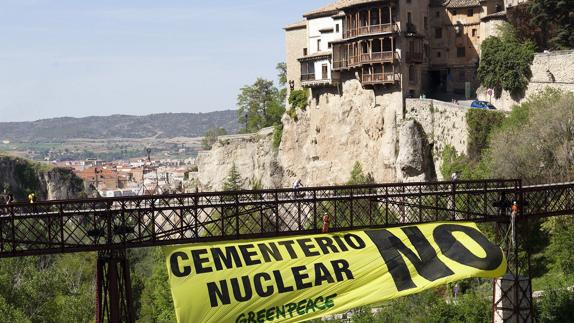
x=298, y=99
x=556, y=305
x=480, y=124
x=277, y=135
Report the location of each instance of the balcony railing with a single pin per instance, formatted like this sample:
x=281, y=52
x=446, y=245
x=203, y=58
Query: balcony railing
x=379, y=78
x=414, y=57
x=371, y=29
x=376, y=57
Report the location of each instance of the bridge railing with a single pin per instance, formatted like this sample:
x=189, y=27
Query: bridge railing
x=131, y=222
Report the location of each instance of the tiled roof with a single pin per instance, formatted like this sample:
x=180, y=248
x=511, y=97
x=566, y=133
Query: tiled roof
x=297, y=25
x=338, y=5
x=462, y=3
x=332, y=7
x=315, y=55
x=496, y=15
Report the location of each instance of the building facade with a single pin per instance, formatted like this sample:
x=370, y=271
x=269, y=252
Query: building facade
x=418, y=47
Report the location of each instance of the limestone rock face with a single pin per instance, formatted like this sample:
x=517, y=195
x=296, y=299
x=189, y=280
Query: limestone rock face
x=414, y=161
x=336, y=131
x=253, y=155
x=22, y=176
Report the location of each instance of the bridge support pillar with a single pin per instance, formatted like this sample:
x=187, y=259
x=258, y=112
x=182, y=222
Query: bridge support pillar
x=114, y=303
x=512, y=299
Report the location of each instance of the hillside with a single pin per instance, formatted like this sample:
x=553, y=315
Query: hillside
x=164, y=125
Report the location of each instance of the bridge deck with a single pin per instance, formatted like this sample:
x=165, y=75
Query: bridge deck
x=116, y=223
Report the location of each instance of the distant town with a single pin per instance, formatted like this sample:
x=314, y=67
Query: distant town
x=131, y=178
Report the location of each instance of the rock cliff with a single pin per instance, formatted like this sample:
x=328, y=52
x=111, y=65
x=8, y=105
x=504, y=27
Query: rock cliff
x=22, y=176
x=321, y=146
x=336, y=131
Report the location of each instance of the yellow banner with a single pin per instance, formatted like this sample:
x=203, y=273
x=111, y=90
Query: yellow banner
x=300, y=278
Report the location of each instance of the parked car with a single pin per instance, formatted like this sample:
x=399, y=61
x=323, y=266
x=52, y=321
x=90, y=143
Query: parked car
x=482, y=105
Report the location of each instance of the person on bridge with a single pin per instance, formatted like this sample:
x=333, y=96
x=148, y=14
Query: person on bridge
x=296, y=186
x=9, y=198
x=32, y=198
x=326, y=220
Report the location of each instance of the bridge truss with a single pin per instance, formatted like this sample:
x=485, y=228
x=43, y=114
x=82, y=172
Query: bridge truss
x=110, y=226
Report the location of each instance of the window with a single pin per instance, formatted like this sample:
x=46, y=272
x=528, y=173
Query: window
x=470, y=12
x=438, y=33
x=324, y=71
x=318, y=45
x=337, y=28
x=474, y=32
x=460, y=52
x=459, y=29
x=409, y=18
x=329, y=45
x=426, y=23
x=438, y=54
x=304, y=51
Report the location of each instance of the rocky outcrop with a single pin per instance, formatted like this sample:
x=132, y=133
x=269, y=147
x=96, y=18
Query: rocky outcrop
x=336, y=131
x=252, y=154
x=415, y=160
x=442, y=123
x=22, y=176
x=320, y=147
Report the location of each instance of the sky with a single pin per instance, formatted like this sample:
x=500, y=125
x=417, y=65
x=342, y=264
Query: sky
x=81, y=58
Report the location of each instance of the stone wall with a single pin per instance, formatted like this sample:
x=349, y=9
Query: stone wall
x=552, y=69
x=444, y=124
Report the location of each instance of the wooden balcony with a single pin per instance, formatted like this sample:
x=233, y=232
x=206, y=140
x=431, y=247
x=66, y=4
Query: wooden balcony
x=371, y=29
x=373, y=58
x=379, y=78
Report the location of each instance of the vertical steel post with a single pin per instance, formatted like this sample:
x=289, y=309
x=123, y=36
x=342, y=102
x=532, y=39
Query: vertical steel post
x=114, y=301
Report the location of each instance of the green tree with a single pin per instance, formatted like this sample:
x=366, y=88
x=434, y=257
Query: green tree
x=282, y=73
x=505, y=62
x=155, y=298
x=210, y=137
x=233, y=182
x=556, y=15
x=260, y=105
x=358, y=177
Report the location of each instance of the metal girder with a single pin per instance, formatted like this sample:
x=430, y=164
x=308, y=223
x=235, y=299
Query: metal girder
x=55, y=227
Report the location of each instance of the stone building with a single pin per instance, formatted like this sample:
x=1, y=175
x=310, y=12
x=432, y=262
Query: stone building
x=415, y=47
x=458, y=29
x=381, y=43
